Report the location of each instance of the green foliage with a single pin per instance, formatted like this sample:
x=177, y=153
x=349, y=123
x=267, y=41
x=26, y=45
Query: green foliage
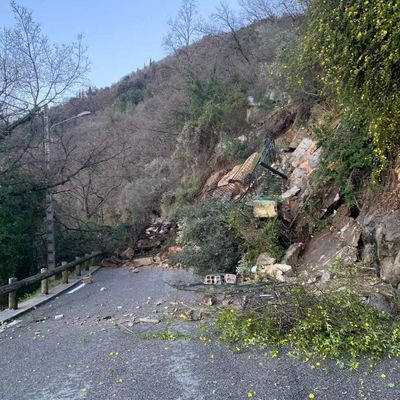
x=217, y=104
x=21, y=216
x=258, y=236
x=231, y=150
x=346, y=156
x=353, y=47
x=211, y=245
x=332, y=325
x=186, y=193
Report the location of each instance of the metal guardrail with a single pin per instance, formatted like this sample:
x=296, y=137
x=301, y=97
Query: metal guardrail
x=14, y=284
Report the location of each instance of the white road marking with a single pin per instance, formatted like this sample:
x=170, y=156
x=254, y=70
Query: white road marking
x=77, y=288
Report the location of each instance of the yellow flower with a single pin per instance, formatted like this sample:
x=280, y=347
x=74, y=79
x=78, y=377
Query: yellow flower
x=383, y=376
x=311, y=396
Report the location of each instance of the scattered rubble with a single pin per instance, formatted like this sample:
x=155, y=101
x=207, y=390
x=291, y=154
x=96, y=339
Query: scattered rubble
x=155, y=235
x=128, y=254
x=112, y=262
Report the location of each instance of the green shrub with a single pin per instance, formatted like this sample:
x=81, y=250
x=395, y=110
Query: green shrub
x=258, y=236
x=214, y=103
x=332, y=325
x=352, y=48
x=347, y=154
x=230, y=149
x=211, y=245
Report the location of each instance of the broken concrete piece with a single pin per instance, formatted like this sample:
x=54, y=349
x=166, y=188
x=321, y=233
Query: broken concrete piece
x=265, y=259
x=142, y=262
x=58, y=317
x=230, y=279
x=213, y=280
x=265, y=208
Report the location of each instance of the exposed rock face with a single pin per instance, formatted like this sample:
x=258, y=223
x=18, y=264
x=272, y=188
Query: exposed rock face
x=381, y=230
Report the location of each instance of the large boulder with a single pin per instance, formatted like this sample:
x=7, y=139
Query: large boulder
x=277, y=272
x=381, y=230
x=265, y=259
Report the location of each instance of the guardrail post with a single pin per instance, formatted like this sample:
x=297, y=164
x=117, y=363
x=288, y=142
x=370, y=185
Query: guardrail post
x=12, y=297
x=87, y=263
x=64, y=273
x=44, y=284
x=77, y=267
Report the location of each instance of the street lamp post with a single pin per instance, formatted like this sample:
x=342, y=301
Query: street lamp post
x=50, y=236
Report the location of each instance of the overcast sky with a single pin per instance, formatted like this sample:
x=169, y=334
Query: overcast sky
x=121, y=35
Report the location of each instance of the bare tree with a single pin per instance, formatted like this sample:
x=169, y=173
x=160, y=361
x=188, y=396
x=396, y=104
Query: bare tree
x=258, y=10
x=183, y=30
x=228, y=21
x=33, y=72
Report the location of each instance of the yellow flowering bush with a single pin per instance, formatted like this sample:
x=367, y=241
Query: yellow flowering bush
x=354, y=48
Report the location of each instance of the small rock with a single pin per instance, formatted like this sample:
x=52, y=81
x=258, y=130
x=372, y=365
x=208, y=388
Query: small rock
x=103, y=289
x=87, y=279
x=325, y=277
x=58, y=317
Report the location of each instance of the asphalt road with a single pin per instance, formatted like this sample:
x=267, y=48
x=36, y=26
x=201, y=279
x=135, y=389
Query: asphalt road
x=86, y=355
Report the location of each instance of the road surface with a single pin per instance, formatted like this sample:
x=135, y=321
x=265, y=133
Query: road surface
x=86, y=355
